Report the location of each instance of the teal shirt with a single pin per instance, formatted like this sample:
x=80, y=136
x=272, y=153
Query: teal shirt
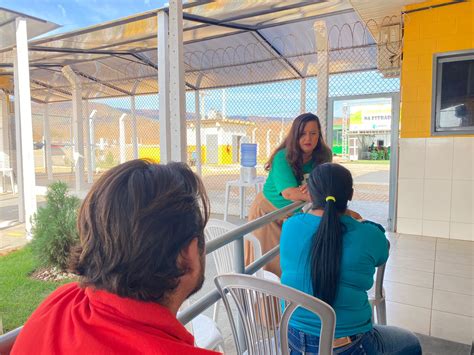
x=364, y=248
x=280, y=178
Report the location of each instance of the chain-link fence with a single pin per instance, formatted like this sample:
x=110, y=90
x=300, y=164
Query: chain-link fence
x=233, y=112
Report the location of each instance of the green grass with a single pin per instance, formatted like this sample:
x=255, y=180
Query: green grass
x=19, y=294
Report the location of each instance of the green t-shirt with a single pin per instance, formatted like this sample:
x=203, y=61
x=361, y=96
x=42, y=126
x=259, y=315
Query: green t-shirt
x=280, y=178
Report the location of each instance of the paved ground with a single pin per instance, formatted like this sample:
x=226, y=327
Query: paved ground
x=371, y=191
x=12, y=238
x=370, y=194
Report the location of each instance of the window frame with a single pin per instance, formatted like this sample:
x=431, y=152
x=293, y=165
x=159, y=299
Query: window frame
x=438, y=60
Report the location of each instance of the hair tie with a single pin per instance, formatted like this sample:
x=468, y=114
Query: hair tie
x=330, y=198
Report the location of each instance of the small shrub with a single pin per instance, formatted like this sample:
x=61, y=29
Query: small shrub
x=54, y=227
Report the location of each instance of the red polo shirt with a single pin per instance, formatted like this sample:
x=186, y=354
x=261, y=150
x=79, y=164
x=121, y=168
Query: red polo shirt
x=73, y=320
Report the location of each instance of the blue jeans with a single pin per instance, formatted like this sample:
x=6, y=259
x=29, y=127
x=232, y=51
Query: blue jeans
x=382, y=339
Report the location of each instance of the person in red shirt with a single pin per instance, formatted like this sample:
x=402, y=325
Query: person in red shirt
x=141, y=255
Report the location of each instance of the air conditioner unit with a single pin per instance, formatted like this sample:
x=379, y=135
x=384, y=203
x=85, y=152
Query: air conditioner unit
x=389, y=50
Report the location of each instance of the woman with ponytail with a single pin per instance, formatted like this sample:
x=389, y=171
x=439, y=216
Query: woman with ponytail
x=332, y=256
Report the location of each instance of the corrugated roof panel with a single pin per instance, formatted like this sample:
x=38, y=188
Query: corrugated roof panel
x=227, y=43
x=314, y=10
x=380, y=12
x=36, y=27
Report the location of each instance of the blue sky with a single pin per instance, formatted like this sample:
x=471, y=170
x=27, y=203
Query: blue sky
x=74, y=14
x=278, y=99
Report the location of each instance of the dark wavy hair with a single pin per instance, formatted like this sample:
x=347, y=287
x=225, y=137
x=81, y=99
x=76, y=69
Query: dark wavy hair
x=133, y=224
x=326, y=247
x=294, y=155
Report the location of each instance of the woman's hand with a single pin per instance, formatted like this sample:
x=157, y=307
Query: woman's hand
x=296, y=194
x=304, y=189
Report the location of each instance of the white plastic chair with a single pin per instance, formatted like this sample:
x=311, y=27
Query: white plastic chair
x=207, y=334
x=7, y=172
x=265, y=308
x=224, y=257
x=377, y=296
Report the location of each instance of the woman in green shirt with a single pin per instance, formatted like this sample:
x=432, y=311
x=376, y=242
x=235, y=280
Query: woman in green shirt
x=301, y=151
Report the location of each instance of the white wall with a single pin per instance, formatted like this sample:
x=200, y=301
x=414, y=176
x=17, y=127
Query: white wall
x=436, y=187
x=228, y=131
x=191, y=134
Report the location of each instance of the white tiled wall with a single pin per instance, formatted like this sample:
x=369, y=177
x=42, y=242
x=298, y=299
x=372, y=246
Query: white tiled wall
x=436, y=187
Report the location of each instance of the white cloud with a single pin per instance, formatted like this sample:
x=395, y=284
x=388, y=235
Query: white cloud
x=63, y=10
x=147, y=2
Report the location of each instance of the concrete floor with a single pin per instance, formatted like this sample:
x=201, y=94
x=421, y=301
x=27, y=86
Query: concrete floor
x=429, y=290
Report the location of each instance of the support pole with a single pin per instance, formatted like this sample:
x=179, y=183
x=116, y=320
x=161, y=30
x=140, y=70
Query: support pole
x=4, y=141
x=320, y=32
x=25, y=127
x=177, y=95
x=19, y=159
x=123, y=152
x=164, y=85
x=87, y=129
x=47, y=143
x=91, y=133
x=78, y=148
x=134, y=128
x=4, y=130
x=197, y=110
x=303, y=96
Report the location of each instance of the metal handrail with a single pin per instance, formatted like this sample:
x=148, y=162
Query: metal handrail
x=212, y=297
x=240, y=231
x=7, y=339
x=237, y=234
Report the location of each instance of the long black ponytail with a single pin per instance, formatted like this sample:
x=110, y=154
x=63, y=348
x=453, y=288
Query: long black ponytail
x=330, y=187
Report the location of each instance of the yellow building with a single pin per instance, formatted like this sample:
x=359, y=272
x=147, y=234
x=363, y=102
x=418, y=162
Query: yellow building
x=436, y=171
x=220, y=141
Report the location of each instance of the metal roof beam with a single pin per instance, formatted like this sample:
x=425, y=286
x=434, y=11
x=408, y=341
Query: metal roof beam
x=98, y=81
x=211, y=21
x=76, y=50
x=267, y=11
x=279, y=54
x=149, y=63
x=272, y=9
x=61, y=92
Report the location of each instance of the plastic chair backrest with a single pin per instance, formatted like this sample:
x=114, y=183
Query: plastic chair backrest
x=7, y=340
x=379, y=276
x=265, y=308
x=224, y=257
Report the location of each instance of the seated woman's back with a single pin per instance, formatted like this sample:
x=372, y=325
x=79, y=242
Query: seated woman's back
x=364, y=247
x=330, y=255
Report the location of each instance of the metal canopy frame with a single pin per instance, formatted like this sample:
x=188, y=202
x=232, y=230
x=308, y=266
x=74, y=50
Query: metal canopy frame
x=109, y=56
